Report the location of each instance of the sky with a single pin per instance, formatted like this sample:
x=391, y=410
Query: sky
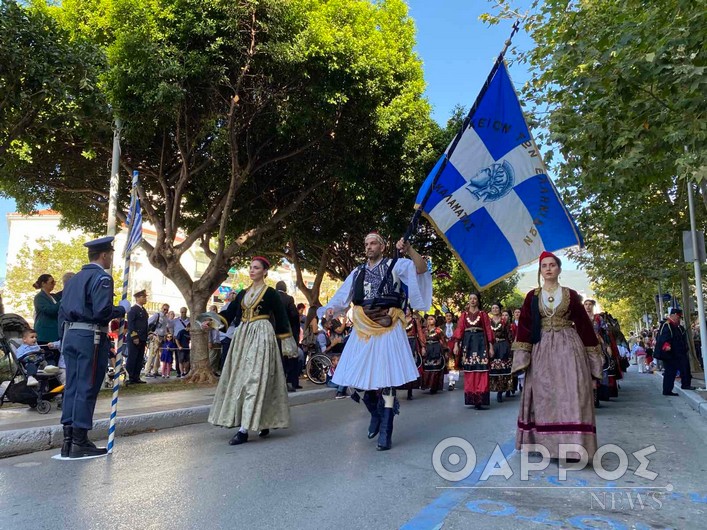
x=457, y=50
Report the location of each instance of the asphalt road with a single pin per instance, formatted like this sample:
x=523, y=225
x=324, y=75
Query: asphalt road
x=324, y=473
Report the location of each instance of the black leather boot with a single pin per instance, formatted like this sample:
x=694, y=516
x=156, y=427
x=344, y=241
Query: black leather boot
x=385, y=439
x=66, y=446
x=82, y=447
x=371, y=400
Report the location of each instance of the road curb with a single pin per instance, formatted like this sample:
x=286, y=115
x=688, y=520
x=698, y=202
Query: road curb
x=22, y=441
x=697, y=402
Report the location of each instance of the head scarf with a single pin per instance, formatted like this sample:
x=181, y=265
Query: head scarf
x=375, y=235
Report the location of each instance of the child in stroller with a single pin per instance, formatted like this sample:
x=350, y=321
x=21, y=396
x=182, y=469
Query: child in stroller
x=15, y=377
x=30, y=356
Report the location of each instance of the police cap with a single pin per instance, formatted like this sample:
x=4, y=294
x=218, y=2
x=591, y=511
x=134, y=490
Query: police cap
x=676, y=311
x=140, y=293
x=102, y=244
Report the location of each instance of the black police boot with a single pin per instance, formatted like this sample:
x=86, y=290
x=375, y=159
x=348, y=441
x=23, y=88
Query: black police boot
x=66, y=446
x=385, y=439
x=371, y=399
x=82, y=447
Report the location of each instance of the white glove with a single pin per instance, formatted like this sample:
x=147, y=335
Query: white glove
x=125, y=305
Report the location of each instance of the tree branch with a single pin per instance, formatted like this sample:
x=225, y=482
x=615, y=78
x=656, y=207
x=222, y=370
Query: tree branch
x=231, y=250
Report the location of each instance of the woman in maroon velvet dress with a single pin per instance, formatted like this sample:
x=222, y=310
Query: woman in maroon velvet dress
x=416, y=337
x=556, y=347
x=476, y=338
x=434, y=357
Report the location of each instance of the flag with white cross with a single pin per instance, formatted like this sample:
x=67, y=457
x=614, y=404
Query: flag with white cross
x=489, y=195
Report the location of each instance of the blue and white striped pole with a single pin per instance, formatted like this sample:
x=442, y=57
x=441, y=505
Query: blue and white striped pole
x=120, y=347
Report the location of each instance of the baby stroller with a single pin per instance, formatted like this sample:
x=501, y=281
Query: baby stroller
x=13, y=376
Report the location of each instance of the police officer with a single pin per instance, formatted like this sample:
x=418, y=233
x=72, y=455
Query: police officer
x=86, y=309
x=137, y=333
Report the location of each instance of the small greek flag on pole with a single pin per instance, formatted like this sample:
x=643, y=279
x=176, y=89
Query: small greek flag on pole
x=134, y=222
x=489, y=195
x=134, y=219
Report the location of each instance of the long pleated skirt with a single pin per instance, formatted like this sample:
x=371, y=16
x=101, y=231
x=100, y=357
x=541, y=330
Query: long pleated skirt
x=433, y=376
x=500, y=379
x=476, y=371
x=557, y=403
x=378, y=362
x=252, y=392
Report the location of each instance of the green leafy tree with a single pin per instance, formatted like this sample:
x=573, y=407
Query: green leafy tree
x=618, y=89
x=452, y=286
x=234, y=113
x=50, y=112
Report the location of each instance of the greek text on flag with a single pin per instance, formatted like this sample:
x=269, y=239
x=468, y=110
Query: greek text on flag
x=493, y=201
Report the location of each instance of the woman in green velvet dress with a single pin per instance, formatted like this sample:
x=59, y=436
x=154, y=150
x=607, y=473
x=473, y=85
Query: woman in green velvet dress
x=252, y=392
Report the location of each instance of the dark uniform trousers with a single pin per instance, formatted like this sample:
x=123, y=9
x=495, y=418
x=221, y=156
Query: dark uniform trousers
x=681, y=363
x=85, y=369
x=136, y=359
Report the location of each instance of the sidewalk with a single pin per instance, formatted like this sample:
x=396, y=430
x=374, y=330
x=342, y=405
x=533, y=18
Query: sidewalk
x=697, y=399
x=160, y=404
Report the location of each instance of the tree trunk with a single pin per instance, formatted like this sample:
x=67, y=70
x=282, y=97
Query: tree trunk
x=200, y=368
x=312, y=295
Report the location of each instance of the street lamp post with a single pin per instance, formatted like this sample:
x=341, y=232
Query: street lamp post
x=698, y=276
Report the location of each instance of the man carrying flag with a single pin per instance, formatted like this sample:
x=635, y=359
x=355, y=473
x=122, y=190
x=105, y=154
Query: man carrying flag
x=376, y=357
x=86, y=309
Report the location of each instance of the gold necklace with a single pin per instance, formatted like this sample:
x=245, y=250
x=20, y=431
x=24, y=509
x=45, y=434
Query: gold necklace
x=546, y=310
x=252, y=295
x=551, y=297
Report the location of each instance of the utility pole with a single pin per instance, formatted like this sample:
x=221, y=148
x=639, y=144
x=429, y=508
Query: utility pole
x=698, y=275
x=114, y=180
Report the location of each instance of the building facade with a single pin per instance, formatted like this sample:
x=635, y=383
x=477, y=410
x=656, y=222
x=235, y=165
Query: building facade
x=33, y=231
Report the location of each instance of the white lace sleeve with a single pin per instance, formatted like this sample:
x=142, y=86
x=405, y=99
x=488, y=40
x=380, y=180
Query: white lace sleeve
x=341, y=300
x=419, y=285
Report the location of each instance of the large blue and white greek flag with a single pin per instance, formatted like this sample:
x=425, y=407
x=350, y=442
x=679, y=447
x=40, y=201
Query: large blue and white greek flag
x=134, y=219
x=493, y=201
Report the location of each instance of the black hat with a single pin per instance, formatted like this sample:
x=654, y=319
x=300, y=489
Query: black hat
x=676, y=311
x=102, y=244
x=140, y=293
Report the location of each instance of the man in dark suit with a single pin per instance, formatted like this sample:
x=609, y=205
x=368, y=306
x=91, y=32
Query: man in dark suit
x=291, y=366
x=137, y=337
x=672, y=346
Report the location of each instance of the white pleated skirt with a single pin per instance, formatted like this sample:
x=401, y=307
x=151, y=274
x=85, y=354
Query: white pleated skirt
x=379, y=362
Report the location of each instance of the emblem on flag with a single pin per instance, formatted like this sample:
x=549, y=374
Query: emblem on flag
x=493, y=182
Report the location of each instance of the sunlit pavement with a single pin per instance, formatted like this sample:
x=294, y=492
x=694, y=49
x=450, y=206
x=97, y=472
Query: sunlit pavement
x=324, y=473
